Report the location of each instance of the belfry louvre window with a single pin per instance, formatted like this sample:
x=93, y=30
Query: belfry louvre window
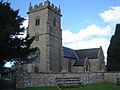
x=37, y=22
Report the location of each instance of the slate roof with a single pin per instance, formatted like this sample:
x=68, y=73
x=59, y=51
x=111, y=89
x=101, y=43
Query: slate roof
x=69, y=53
x=82, y=54
x=80, y=62
x=89, y=53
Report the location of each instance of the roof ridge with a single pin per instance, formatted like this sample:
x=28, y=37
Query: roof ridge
x=68, y=48
x=87, y=49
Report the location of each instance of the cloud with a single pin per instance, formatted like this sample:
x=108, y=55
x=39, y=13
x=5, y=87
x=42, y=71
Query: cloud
x=92, y=31
x=25, y=23
x=91, y=37
x=94, y=36
x=92, y=43
x=112, y=15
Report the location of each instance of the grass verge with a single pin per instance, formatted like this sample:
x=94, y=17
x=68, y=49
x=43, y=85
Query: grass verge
x=95, y=86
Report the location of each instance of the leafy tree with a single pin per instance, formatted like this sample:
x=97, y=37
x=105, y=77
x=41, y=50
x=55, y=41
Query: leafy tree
x=12, y=48
x=113, y=59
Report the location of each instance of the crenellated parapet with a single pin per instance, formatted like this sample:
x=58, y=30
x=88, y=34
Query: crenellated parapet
x=46, y=4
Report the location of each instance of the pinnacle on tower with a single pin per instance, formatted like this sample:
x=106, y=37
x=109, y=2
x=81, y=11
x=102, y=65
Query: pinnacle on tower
x=47, y=3
x=30, y=4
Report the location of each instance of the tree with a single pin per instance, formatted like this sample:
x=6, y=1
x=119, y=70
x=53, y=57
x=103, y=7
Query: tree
x=113, y=59
x=13, y=48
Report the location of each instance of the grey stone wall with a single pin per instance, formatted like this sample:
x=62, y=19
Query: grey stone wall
x=111, y=76
x=25, y=79
x=48, y=79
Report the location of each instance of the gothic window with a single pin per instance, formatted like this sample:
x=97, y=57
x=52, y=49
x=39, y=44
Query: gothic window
x=36, y=57
x=37, y=21
x=54, y=22
x=36, y=70
x=87, y=68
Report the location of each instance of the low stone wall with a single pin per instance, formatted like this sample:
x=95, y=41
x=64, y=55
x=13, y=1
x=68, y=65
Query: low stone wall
x=111, y=76
x=25, y=79
x=48, y=79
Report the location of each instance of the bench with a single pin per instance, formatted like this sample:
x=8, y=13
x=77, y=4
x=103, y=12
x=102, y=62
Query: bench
x=118, y=81
x=69, y=81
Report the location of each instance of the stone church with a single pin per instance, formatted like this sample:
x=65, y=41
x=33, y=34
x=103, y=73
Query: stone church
x=45, y=25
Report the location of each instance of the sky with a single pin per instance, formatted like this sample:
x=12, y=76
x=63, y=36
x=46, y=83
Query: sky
x=85, y=23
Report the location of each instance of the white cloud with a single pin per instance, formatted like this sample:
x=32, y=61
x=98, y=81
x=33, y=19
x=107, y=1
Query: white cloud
x=92, y=31
x=90, y=37
x=94, y=36
x=93, y=43
x=112, y=15
x=25, y=23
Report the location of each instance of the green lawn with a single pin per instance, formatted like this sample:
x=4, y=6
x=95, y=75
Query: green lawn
x=96, y=86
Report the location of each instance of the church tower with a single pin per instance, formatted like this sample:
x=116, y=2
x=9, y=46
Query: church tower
x=45, y=26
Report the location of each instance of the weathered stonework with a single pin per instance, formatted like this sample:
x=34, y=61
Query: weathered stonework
x=78, y=69
x=111, y=77
x=45, y=25
x=26, y=79
x=44, y=22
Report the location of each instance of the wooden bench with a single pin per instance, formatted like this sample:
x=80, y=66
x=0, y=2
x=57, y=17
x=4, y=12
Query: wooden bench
x=118, y=81
x=69, y=81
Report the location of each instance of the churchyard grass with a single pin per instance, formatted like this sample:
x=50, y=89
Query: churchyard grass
x=95, y=86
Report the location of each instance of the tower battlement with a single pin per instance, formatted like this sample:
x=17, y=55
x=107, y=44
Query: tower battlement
x=46, y=4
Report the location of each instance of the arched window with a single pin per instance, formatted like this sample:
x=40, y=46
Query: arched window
x=36, y=57
x=36, y=70
x=87, y=67
x=37, y=21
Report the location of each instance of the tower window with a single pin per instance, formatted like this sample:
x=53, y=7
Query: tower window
x=36, y=58
x=36, y=70
x=37, y=22
x=54, y=22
